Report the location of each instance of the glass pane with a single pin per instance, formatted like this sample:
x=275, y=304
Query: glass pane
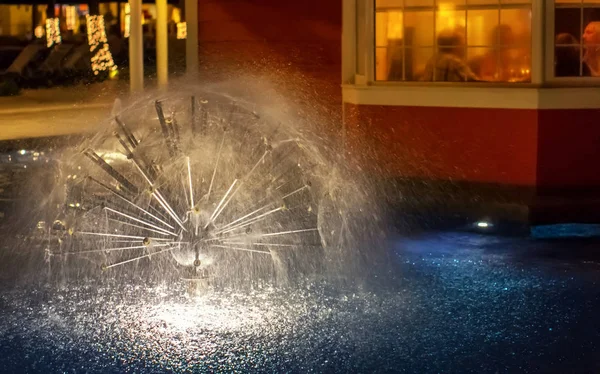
x=381, y=28
x=360, y=40
x=418, y=3
x=568, y=22
x=416, y=60
x=567, y=61
x=482, y=62
x=418, y=29
x=515, y=27
x=514, y=65
x=450, y=4
x=484, y=2
x=381, y=65
x=449, y=20
x=395, y=62
x=518, y=2
x=481, y=26
x=381, y=4
x=500, y=64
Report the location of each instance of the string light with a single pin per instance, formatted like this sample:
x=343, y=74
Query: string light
x=181, y=30
x=52, y=32
x=102, y=59
x=39, y=32
x=71, y=17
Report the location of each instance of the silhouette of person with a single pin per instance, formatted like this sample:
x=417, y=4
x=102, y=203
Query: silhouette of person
x=448, y=65
x=566, y=59
x=591, y=43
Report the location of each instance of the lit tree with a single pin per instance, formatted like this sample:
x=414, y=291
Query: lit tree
x=101, y=60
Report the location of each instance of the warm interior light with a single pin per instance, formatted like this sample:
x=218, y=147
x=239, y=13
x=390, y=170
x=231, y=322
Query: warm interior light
x=447, y=17
x=395, y=27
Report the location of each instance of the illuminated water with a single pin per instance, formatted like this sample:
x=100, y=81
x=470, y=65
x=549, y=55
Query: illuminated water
x=458, y=303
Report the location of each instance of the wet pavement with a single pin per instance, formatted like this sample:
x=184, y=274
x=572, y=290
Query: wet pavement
x=454, y=302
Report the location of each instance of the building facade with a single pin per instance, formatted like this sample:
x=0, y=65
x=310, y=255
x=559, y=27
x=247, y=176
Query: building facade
x=509, y=117
x=524, y=126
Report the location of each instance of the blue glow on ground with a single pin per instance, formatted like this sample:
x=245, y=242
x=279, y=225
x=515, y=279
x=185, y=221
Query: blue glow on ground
x=567, y=230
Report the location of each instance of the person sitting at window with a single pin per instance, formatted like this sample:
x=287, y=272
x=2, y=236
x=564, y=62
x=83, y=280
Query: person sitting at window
x=448, y=64
x=591, y=42
x=567, y=59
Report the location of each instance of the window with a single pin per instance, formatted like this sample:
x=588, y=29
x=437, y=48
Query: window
x=577, y=38
x=453, y=40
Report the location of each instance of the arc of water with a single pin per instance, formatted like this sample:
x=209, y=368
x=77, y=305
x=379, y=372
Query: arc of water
x=250, y=221
x=141, y=221
x=190, y=180
x=130, y=202
x=112, y=249
x=139, y=258
x=244, y=179
x=117, y=235
x=139, y=227
x=156, y=194
x=212, y=179
x=220, y=203
x=262, y=235
x=241, y=249
x=244, y=217
x=286, y=232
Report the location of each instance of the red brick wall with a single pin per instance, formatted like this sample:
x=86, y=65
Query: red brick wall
x=296, y=44
x=475, y=145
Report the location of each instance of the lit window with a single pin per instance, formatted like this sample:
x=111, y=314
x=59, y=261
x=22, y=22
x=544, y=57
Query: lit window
x=577, y=38
x=453, y=40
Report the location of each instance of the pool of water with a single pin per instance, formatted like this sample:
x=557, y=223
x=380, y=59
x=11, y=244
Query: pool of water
x=455, y=303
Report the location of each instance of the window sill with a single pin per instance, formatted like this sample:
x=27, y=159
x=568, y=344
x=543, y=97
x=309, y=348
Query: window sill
x=474, y=95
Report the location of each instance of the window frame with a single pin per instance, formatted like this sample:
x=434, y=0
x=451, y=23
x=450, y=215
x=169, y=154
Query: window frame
x=549, y=78
x=542, y=52
x=497, y=7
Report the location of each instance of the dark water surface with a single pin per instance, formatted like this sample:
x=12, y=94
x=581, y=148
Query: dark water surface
x=458, y=303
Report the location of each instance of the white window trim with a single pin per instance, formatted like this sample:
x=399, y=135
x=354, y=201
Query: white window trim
x=544, y=92
x=473, y=96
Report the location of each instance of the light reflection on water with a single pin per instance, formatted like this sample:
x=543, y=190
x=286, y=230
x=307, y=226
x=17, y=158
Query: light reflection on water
x=460, y=304
x=159, y=328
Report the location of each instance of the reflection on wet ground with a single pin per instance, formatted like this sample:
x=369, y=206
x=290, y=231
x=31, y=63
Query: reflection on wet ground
x=455, y=302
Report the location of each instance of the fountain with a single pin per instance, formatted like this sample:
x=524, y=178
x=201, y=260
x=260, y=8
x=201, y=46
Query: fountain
x=209, y=186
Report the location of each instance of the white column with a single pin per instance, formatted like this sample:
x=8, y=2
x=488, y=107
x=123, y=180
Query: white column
x=539, y=56
x=136, y=47
x=191, y=42
x=349, y=41
x=162, y=48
